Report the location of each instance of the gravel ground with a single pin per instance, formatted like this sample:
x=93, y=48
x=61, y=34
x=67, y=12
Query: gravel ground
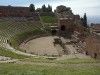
x=41, y=46
x=45, y=46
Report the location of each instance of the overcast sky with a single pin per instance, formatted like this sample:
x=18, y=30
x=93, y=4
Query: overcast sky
x=91, y=7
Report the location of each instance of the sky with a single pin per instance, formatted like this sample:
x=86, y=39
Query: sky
x=91, y=7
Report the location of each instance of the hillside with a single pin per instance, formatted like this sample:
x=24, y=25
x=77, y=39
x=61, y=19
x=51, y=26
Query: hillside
x=14, y=31
x=10, y=27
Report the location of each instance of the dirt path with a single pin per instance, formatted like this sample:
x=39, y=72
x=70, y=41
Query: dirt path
x=9, y=61
x=4, y=59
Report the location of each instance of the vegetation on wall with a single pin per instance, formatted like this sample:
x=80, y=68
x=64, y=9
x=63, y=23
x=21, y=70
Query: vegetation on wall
x=49, y=19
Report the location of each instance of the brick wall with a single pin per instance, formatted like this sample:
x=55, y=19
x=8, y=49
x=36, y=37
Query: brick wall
x=6, y=11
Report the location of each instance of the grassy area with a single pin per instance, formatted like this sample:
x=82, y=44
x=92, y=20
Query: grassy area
x=49, y=19
x=8, y=53
x=43, y=66
x=19, y=38
x=39, y=59
x=78, y=61
x=65, y=61
x=58, y=69
x=11, y=28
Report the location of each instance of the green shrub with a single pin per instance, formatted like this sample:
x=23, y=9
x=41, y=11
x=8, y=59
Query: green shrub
x=49, y=19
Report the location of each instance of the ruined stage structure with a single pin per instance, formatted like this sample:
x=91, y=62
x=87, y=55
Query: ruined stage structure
x=67, y=21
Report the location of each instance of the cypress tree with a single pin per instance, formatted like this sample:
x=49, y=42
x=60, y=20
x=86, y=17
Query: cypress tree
x=49, y=8
x=85, y=20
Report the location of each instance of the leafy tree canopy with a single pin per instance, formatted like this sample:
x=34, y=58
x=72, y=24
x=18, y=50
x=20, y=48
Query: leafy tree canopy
x=32, y=8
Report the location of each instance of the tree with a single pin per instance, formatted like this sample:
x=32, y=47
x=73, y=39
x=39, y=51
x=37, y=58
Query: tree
x=85, y=20
x=62, y=8
x=49, y=9
x=44, y=8
x=38, y=10
x=32, y=8
x=82, y=19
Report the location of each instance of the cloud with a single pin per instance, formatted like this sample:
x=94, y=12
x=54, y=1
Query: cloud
x=91, y=7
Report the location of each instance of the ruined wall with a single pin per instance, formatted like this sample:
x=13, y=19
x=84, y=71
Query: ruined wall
x=6, y=11
x=93, y=45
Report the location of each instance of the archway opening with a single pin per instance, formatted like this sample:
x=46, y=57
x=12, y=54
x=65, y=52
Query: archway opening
x=62, y=28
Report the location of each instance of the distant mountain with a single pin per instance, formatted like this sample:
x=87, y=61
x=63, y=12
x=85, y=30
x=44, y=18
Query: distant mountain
x=93, y=19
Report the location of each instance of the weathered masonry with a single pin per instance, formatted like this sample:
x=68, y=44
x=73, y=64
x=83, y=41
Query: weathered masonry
x=6, y=11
